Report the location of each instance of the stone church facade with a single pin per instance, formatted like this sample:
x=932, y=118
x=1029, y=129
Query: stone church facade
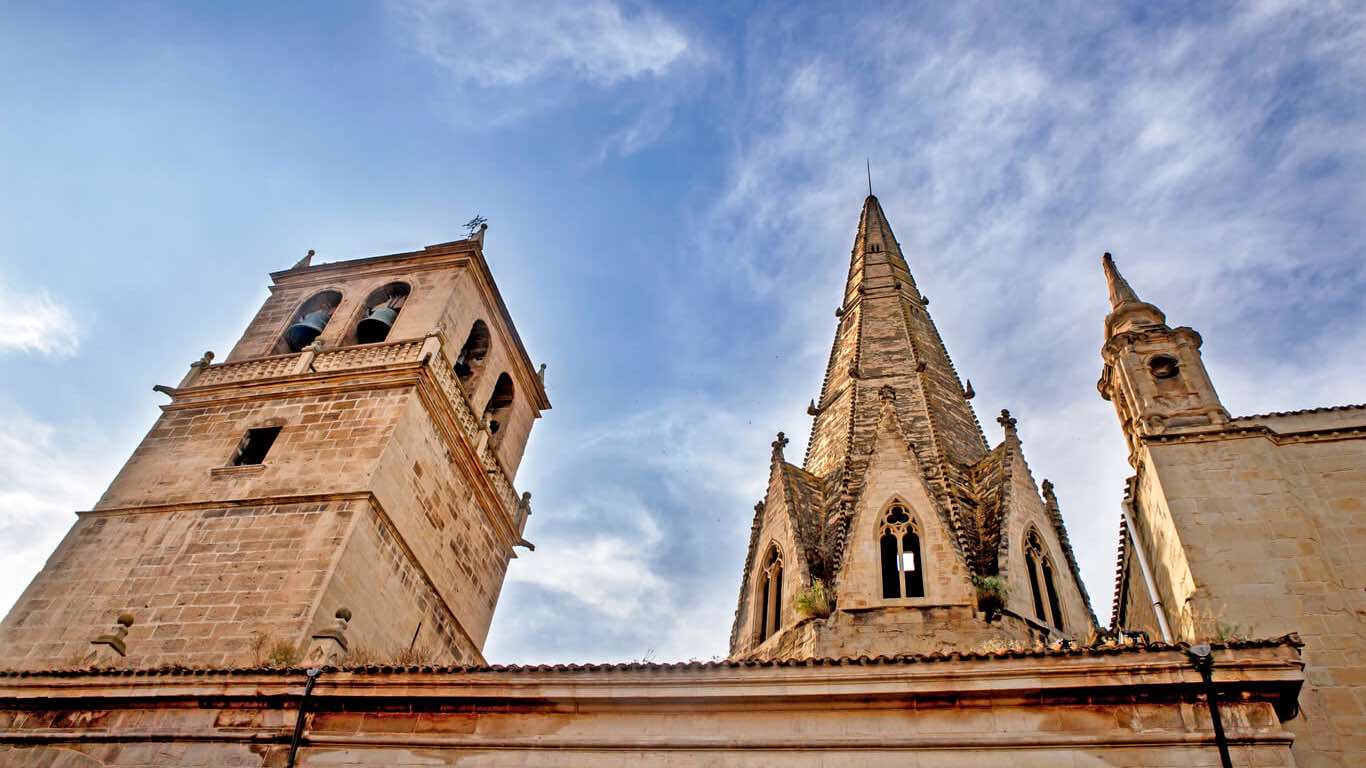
x=299, y=564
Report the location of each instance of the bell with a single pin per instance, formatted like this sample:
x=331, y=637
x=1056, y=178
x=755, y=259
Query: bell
x=302, y=333
x=376, y=325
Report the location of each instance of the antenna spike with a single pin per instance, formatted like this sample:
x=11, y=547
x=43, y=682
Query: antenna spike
x=868, y=163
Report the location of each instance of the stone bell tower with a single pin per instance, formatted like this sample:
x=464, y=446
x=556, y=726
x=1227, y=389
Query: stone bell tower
x=923, y=536
x=354, y=453
x=1153, y=372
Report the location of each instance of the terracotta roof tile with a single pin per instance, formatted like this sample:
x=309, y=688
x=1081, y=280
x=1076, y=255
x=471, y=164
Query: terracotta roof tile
x=1291, y=640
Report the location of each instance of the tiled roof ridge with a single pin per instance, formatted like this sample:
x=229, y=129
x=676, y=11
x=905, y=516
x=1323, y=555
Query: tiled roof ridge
x=1302, y=411
x=1291, y=640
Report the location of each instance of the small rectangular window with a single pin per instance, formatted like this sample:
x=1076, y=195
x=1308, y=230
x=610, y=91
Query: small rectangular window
x=254, y=446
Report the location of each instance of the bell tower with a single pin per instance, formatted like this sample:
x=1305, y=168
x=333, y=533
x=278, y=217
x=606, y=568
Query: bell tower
x=1153, y=372
x=354, y=453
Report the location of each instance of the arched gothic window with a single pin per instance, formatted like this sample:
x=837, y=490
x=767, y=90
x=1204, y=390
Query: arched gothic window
x=771, y=594
x=500, y=402
x=472, y=354
x=903, y=569
x=309, y=321
x=1042, y=588
x=381, y=310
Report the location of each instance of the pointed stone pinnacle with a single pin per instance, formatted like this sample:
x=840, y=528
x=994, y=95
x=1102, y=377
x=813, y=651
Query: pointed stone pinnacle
x=968, y=392
x=1120, y=291
x=305, y=261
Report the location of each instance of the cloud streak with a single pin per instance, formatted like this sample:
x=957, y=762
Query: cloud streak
x=35, y=323
x=597, y=41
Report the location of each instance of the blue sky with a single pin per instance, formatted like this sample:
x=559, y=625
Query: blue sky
x=672, y=192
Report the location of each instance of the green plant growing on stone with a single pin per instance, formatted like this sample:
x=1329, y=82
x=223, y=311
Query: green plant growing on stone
x=991, y=595
x=815, y=601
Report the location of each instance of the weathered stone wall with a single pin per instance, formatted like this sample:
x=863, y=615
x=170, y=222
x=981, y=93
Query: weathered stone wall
x=394, y=604
x=1256, y=533
x=434, y=511
x=200, y=584
x=900, y=629
x=775, y=528
x=894, y=475
x=1026, y=511
x=330, y=443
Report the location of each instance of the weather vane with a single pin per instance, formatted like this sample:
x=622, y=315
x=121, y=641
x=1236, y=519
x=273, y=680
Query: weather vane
x=474, y=224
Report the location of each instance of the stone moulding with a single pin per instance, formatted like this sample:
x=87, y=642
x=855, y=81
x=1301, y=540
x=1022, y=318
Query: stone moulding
x=1130, y=698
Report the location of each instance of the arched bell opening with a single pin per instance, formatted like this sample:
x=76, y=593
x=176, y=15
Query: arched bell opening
x=381, y=310
x=903, y=568
x=770, y=596
x=1042, y=589
x=472, y=355
x=308, y=323
x=499, y=405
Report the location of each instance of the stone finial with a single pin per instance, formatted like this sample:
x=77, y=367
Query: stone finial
x=811, y=409
x=759, y=507
x=204, y=361
x=307, y=260
x=1006, y=421
x=111, y=647
x=839, y=311
x=328, y=647
x=887, y=393
x=779, y=444
x=968, y=391
x=541, y=373
x=1120, y=291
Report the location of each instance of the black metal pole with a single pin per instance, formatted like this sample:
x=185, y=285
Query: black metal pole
x=1205, y=664
x=299, y=722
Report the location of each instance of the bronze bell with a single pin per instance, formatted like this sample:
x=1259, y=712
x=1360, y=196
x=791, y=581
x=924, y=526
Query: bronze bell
x=376, y=325
x=302, y=333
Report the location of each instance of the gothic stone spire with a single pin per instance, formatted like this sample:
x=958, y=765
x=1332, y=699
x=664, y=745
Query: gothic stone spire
x=886, y=338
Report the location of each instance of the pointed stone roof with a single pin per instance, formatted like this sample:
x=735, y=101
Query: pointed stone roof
x=890, y=377
x=1120, y=291
x=1126, y=309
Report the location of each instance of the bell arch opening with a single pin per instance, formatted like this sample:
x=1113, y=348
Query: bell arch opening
x=380, y=313
x=770, y=596
x=902, y=566
x=470, y=361
x=499, y=404
x=309, y=321
x=1042, y=587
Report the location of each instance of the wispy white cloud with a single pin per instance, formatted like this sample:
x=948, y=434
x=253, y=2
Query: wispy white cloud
x=609, y=569
x=1220, y=157
x=46, y=475
x=602, y=42
x=34, y=322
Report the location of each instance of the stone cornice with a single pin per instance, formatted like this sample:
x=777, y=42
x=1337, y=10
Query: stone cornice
x=1232, y=432
x=1270, y=667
